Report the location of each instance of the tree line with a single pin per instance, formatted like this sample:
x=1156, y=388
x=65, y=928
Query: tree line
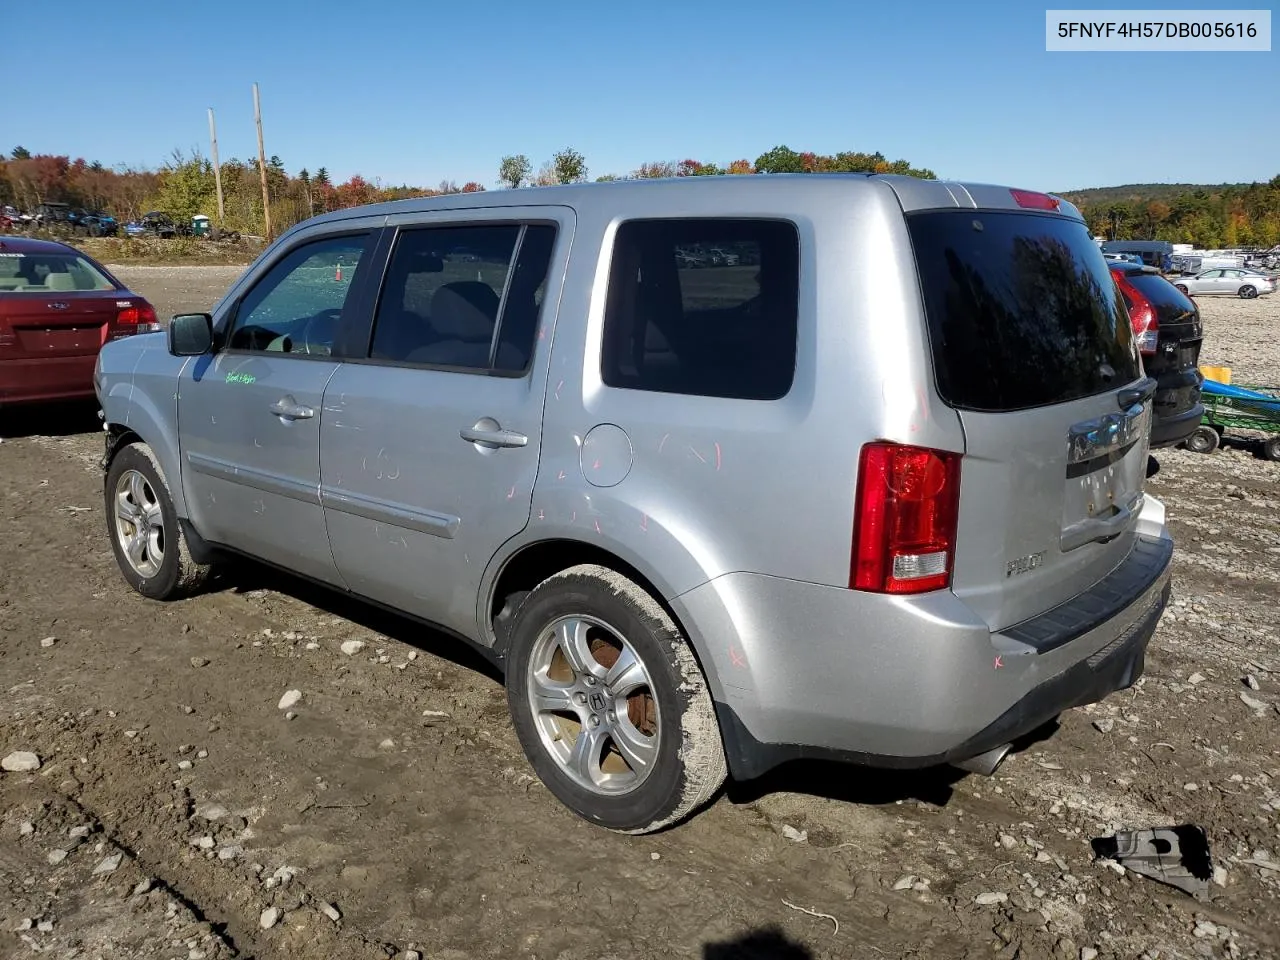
x=185, y=184
x=1209, y=216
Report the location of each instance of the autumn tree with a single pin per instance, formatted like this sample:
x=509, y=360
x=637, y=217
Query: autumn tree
x=186, y=186
x=569, y=166
x=656, y=170
x=472, y=186
x=514, y=170
x=781, y=159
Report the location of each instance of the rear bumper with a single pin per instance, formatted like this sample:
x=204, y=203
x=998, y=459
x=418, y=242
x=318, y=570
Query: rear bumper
x=908, y=683
x=1177, y=406
x=31, y=379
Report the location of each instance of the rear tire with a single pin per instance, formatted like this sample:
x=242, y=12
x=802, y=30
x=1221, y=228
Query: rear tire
x=143, y=527
x=1248, y=292
x=592, y=654
x=1205, y=439
x=1271, y=449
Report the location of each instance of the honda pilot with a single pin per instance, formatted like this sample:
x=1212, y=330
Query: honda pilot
x=872, y=493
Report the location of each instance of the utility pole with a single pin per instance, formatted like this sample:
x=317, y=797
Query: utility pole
x=217, y=167
x=262, y=164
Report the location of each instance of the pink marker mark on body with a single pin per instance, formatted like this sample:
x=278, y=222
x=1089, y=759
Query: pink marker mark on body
x=511, y=493
x=597, y=526
x=644, y=522
x=558, y=386
x=999, y=662
x=736, y=657
x=717, y=455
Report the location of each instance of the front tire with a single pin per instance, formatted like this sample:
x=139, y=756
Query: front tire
x=1271, y=449
x=609, y=703
x=143, y=528
x=1247, y=292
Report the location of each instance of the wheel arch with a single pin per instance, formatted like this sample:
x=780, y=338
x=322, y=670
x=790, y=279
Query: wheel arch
x=530, y=563
x=143, y=423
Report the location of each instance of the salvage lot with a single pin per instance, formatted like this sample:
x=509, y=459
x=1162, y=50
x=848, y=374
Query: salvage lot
x=397, y=799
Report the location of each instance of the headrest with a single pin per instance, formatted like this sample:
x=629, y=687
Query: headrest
x=465, y=310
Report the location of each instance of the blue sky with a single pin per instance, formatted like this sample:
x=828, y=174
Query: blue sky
x=419, y=92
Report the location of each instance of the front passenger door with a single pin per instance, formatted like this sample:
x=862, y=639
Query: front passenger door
x=249, y=416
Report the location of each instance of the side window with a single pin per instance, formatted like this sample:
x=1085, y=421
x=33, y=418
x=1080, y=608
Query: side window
x=453, y=298
x=703, y=307
x=297, y=306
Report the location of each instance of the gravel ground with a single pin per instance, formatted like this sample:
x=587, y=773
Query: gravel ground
x=177, y=289
x=394, y=814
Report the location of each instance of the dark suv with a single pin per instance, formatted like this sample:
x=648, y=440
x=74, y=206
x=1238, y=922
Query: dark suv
x=1166, y=324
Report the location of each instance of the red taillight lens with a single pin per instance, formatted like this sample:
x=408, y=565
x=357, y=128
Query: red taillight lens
x=144, y=313
x=1142, y=316
x=139, y=318
x=905, y=523
x=1035, y=201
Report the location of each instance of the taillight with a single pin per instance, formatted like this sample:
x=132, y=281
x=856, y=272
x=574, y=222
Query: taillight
x=137, y=318
x=1142, y=316
x=1035, y=201
x=905, y=522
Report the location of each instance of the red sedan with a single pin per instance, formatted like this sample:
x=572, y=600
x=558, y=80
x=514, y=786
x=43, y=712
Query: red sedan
x=58, y=307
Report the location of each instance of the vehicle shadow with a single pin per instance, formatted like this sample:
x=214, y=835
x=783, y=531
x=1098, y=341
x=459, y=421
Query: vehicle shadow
x=868, y=786
x=767, y=943
x=249, y=576
x=60, y=419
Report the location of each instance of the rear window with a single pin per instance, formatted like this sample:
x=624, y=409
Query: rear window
x=1022, y=310
x=49, y=272
x=1171, y=304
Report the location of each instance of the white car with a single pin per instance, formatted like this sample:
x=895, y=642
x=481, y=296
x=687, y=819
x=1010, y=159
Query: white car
x=1234, y=283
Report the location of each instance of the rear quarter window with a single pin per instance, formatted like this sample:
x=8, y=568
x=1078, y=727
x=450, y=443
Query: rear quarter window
x=1021, y=309
x=703, y=307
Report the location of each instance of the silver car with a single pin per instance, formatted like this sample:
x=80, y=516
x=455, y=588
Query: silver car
x=873, y=494
x=1228, y=282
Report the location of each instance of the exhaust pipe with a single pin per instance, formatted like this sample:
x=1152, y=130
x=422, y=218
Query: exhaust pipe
x=985, y=763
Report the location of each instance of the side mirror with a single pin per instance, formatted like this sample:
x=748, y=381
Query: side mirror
x=190, y=334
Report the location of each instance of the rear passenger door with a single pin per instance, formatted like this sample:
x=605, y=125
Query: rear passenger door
x=429, y=444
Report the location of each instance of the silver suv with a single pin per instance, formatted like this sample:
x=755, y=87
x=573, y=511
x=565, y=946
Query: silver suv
x=872, y=493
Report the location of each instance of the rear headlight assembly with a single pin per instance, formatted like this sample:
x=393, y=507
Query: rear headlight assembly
x=905, y=522
x=136, y=318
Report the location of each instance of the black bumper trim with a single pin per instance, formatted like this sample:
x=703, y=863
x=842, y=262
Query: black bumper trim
x=1087, y=611
x=1115, y=667
x=1169, y=431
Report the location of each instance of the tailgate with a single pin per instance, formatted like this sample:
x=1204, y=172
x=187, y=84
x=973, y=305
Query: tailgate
x=1049, y=500
x=1031, y=343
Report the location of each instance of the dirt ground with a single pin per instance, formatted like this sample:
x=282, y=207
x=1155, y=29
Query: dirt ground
x=178, y=813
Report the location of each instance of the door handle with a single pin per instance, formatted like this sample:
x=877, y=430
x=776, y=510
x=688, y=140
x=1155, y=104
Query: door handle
x=289, y=409
x=495, y=437
x=1101, y=529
